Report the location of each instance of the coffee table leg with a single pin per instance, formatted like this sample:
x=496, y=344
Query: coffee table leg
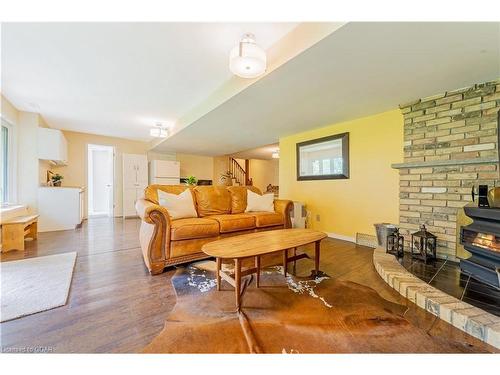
x=257, y=265
x=237, y=279
x=316, y=257
x=285, y=261
x=219, y=264
x=295, y=261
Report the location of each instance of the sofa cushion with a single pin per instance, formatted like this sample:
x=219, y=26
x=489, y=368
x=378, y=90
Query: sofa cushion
x=234, y=222
x=212, y=200
x=257, y=202
x=151, y=192
x=239, y=197
x=185, y=229
x=179, y=206
x=267, y=219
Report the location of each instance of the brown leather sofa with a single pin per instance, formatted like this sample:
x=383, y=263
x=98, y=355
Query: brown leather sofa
x=221, y=213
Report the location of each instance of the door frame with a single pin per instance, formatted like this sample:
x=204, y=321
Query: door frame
x=111, y=208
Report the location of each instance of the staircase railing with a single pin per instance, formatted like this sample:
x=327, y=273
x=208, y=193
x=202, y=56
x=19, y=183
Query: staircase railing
x=238, y=173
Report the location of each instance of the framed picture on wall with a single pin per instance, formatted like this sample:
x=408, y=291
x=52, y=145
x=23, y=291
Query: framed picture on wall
x=324, y=158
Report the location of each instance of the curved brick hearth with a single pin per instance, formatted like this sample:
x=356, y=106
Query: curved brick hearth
x=468, y=318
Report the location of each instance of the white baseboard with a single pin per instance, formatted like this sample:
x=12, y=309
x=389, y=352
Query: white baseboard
x=341, y=237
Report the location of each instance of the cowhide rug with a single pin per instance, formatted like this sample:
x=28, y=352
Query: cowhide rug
x=287, y=315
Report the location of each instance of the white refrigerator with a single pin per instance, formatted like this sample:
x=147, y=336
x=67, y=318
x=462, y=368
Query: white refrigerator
x=164, y=172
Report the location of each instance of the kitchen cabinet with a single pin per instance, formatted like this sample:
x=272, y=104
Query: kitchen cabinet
x=135, y=180
x=52, y=145
x=60, y=208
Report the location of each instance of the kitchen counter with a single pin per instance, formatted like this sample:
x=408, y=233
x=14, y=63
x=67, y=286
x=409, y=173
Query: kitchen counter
x=60, y=207
x=63, y=187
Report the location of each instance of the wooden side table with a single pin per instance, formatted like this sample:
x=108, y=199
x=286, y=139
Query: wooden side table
x=16, y=229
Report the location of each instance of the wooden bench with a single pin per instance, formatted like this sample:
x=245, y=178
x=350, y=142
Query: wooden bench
x=16, y=229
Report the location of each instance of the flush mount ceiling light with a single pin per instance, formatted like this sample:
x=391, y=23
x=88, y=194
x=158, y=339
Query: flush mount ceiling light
x=159, y=131
x=247, y=59
x=276, y=154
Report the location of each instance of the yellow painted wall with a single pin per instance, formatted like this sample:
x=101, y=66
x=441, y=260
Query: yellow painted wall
x=370, y=195
x=264, y=172
x=75, y=173
x=202, y=167
x=220, y=167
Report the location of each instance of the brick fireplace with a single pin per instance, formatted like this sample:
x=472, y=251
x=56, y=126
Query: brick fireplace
x=450, y=145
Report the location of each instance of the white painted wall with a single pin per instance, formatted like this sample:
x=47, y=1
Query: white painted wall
x=27, y=160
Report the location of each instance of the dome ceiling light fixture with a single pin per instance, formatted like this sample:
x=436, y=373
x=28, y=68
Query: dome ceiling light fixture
x=159, y=131
x=247, y=59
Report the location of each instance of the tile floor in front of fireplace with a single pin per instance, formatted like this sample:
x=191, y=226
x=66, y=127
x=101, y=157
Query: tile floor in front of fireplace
x=446, y=276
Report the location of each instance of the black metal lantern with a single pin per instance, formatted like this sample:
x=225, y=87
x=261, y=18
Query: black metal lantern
x=423, y=245
x=395, y=244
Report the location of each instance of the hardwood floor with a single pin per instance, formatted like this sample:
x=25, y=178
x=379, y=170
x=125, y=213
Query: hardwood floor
x=116, y=306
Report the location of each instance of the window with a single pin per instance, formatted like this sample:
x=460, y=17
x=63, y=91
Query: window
x=7, y=163
x=337, y=165
x=326, y=167
x=324, y=158
x=315, y=167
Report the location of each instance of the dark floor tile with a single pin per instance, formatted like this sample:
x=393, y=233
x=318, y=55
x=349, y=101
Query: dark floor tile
x=446, y=276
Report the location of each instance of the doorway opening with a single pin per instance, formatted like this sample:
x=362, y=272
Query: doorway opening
x=100, y=180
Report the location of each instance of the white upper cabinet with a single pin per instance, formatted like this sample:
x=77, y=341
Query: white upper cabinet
x=135, y=170
x=52, y=145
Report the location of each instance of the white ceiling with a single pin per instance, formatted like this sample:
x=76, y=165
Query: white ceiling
x=117, y=79
x=358, y=70
x=263, y=152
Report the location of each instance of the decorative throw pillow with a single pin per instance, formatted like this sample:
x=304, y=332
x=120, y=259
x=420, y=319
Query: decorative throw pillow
x=178, y=206
x=257, y=202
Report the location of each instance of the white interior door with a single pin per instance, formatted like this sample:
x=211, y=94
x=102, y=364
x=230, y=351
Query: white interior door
x=100, y=180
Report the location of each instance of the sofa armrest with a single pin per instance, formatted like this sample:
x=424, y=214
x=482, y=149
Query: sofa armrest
x=145, y=208
x=154, y=234
x=284, y=207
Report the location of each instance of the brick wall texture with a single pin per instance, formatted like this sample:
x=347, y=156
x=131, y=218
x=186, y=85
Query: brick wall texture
x=456, y=125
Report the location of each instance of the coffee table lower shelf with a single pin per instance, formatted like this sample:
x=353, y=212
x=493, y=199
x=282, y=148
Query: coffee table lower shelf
x=234, y=278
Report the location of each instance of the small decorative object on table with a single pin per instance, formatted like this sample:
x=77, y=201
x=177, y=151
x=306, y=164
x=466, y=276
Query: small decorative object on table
x=395, y=244
x=423, y=245
x=273, y=189
x=225, y=179
x=57, y=179
x=191, y=181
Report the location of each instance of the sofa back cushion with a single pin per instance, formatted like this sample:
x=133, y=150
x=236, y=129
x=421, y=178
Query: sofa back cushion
x=212, y=200
x=151, y=192
x=239, y=197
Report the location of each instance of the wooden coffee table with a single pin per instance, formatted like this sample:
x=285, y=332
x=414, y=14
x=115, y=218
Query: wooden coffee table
x=254, y=245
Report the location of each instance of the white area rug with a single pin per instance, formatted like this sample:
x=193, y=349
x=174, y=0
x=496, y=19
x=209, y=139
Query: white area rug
x=37, y=284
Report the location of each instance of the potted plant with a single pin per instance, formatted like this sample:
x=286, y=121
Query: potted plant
x=57, y=179
x=191, y=181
